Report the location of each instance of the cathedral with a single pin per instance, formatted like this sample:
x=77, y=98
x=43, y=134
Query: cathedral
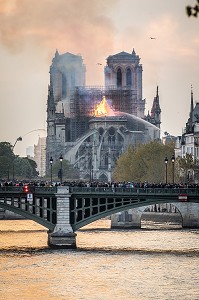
x=91, y=126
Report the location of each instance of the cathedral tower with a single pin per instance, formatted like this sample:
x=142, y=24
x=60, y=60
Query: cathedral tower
x=124, y=71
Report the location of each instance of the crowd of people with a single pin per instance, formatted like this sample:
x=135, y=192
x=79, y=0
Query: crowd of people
x=81, y=183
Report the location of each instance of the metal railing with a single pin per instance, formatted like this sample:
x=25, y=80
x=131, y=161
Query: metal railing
x=126, y=190
x=96, y=190
x=31, y=189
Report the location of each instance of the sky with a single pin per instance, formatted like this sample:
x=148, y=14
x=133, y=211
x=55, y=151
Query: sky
x=31, y=31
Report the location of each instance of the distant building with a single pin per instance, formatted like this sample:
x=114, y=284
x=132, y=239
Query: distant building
x=188, y=142
x=92, y=125
x=40, y=156
x=168, y=138
x=30, y=151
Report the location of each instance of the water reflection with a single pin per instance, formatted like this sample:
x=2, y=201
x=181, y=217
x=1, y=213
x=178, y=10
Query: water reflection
x=108, y=264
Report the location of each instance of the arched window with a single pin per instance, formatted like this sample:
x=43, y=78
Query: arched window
x=128, y=77
x=119, y=78
x=106, y=159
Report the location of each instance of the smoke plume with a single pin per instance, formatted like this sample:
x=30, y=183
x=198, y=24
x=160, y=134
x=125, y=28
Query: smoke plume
x=74, y=26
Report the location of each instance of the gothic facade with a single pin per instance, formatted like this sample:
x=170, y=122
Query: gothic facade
x=91, y=126
x=124, y=71
x=188, y=142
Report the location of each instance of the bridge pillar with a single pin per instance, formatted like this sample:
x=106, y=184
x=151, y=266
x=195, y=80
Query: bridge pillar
x=127, y=219
x=189, y=213
x=62, y=236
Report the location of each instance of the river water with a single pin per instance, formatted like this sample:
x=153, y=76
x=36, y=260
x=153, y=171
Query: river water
x=160, y=261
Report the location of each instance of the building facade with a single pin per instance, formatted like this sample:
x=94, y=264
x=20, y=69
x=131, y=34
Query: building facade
x=124, y=71
x=40, y=156
x=90, y=126
x=188, y=142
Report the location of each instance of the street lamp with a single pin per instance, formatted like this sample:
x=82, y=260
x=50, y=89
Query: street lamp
x=19, y=139
x=173, y=162
x=188, y=176
x=61, y=159
x=166, y=162
x=13, y=169
x=51, y=174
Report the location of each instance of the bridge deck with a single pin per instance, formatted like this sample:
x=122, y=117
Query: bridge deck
x=96, y=190
x=87, y=204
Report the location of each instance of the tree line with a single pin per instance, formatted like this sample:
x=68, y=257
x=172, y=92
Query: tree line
x=143, y=163
x=12, y=166
x=147, y=163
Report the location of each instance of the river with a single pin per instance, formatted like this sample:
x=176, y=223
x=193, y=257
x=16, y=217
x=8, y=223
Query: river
x=160, y=261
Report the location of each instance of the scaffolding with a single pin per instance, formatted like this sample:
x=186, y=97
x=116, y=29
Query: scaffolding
x=84, y=100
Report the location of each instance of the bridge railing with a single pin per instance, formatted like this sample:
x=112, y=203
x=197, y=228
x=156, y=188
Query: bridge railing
x=124, y=190
x=31, y=189
x=101, y=190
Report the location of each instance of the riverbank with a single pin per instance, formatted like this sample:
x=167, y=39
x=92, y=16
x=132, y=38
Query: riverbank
x=162, y=217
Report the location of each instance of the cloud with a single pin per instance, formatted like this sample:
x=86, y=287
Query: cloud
x=31, y=31
x=65, y=24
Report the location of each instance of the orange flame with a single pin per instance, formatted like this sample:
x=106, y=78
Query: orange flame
x=103, y=109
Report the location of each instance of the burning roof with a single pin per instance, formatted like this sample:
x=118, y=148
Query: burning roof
x=103, y=109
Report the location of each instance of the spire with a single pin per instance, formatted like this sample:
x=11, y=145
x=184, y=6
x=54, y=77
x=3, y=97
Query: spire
x=56, y=57
x=191, y=108
x=156, y=111
x=189, y=124
x=50, y=102
x=56, y=53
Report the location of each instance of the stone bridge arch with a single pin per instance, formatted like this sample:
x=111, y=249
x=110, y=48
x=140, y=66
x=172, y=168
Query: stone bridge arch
x=189, y=213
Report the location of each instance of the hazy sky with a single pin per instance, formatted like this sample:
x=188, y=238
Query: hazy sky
x=32, y=30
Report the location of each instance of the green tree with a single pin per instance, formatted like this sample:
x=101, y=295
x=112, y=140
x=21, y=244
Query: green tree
x=6, y=158
x=33, y=165
x=15, y=167
x=123, y=164
x=6, y=149
x=24, y=168
x=186, y=166
x=68, y=172
x=145, y=163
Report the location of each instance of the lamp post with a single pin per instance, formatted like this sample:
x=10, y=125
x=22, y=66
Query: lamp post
x=13, y=169
x=188, y=176
x=51, y=173
x=173, y=162
x=19, y=139
x=61, y=159
x=166, y=162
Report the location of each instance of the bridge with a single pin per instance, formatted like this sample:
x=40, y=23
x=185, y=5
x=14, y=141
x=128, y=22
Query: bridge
x=63, y=209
